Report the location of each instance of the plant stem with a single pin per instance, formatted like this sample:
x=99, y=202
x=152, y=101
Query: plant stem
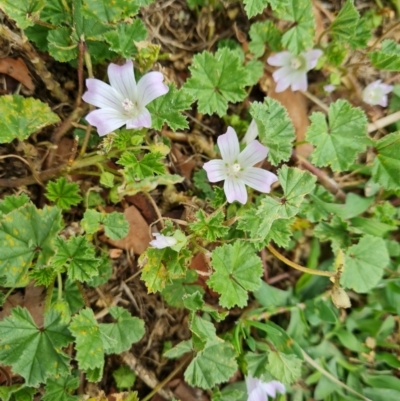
x=59, y=283
x=303, y=269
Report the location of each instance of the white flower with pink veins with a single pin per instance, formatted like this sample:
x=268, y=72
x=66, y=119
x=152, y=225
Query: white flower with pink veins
x=124, y=101
x=236, y=167
x=162, y=241
x=258, y=390
x=376, y=93
x=294, y=68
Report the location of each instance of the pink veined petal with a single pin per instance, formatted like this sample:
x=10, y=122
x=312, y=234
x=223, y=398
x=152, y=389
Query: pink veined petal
x=299, y=81
x=253, y=153
x=216, y=170
x=251, y=383
x=106, y=120
x=143, y=120
x=273, y=387
x=102, y=95
x=280, y=59
x=122, y=78
x=229, y=146
x=258, y=394
x=235, y=189
x=258, y=179
x=386, y=88
x=282, y=73
x=384, y=101
x=150, y=87
x=374, y=85
x=251, y=133
x=312, y=57
x=283, y=83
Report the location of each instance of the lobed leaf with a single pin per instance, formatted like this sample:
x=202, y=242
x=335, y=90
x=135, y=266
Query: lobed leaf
x=24, y=12
x=60, y=389
x=64, y=194
x=262, y=34
x=388, y=58
x=285, y=368
x=345, y=23
x=209, y=227
x=254, y=7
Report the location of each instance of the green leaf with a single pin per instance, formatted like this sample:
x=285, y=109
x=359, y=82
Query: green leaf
x=264, y=33
x=344, y=25
x=34, y=353
x=60, y=389
x=338, y=144
x=122, y=40
x=285, y=368
x=254, y=7
x=150, y=183
x=77, y=255
x=22, y=117
x=116, y=226
x=105, y=271
x=17, y=392
x=201, y=182
x=257, y=364
x=388, y=58
x=255, y=70
x=12, y=202
x=301, y=36
x=180, y=349
x=296, y=184
x=275, y=129
x=124, y=377
x=91, y=221
x=167, y=109
x=209, y=227
x=27, y=233
x=362, y=34
x=106, y=12
x=64, y=194
x=88, y=338
x=386, y=166
x=203, y=329
x=149, y=165
x=213, y=365
x=125, y=331
x=336, y=232
x=216, y=80
x=24, y=12
x=236, y=270
x=55, y=12
x=364, y=264
x=62, y=46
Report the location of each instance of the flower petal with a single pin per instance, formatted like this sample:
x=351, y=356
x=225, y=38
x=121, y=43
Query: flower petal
x=258, y=394
x=384, y=101
x=102, y=95
x=143, y=120
x=150, y=87
x=229, y=146
x=106, y=120
x=253, y=153
x=282, y=73
x=251, y=133
x=386, y=88
x=273, y=387
x=251, y=383
x=299, y=81
x=258, y=179
x=122, y=79
x=283, y=83
x=216, y=170
x=235, y=190
x=312, y=57
x=162, y=241
x=280, y=59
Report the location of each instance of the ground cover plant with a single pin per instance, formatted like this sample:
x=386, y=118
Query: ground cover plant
x=200, y=200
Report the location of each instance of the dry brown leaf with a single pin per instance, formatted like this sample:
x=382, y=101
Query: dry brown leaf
x=17, y=69
x=183, y=162
x=138, y=237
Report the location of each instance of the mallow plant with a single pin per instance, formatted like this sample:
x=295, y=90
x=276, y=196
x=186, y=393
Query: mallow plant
x=300, y=292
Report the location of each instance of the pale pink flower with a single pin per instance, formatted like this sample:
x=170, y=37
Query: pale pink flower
x=251, y=133
x=123, y=101
x=236, y=167
x=257, y=390
x=163, y=241
x=376, y=93
x=294, y=68
x=329, y=88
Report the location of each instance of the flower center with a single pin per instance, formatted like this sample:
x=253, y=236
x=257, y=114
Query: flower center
x=297, y=62
x=236, y=168
x=129, y=107
x=375, y=95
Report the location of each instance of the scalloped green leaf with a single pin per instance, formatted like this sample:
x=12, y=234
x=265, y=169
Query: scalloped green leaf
x=388, y=57
x=338, y=142
x=24, y=12
x=22, y=117
x=254, y=7
x=344, y=25
x=264, y=34
x=60, y=389
x=63, y=193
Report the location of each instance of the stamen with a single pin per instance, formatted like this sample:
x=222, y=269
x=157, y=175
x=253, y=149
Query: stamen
x=296, y=62
x=236, y=168
x=128, y=106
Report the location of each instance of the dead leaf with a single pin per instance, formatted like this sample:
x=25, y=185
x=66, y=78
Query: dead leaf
x=17, y=69
x=114, y=253
x=184, y=163
x=138, y=237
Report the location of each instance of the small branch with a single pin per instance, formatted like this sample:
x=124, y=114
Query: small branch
x=303, y=269
x=316, y=101
x=328, y=183
x=155, y=207
x=383, y=122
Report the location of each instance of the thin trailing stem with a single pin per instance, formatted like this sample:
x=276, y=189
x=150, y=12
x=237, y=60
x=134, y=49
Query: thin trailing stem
x=59, y=284
x=155, y=207
x=296, y=266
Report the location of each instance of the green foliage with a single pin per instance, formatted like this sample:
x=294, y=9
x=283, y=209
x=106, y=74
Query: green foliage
x=22, y=11
x=77, y=257
x=61, y=44
x=236, y=270
x=180, y=349
x=386, y=166
x=148, y=166
x=16, y=392
x=22, y=117
x=388, y=58
x=60, y=389
x=11, y=202
x=254, y=7
x=209, y=227
x=262, y=34
x=27, y=233
x=345, y=24
x=124, y=377
x=213, y=365
x=301, y=36
x=285, y=368
x=275, y=129
x=167, y=109
x=338, y=142
x=216, y=80
x=364, y=264
x=64, y=194
x=34, y=353
x=122, y=40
